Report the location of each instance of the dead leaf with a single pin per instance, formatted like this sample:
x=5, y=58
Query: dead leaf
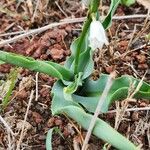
x=37, y=117
x=145, y=3
x=20, y=123
x=30, y=6
x=26, y=83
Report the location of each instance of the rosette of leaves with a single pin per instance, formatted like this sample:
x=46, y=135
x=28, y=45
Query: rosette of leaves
x=75, y=94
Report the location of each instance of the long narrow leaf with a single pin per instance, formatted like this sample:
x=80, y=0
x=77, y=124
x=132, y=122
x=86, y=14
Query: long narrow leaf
x=2, y=62
x=102, y=130
x=90, y=93
x=107, y=21
x=50, y=68
x=49, y=139
x=72, y=109
x=128, y=2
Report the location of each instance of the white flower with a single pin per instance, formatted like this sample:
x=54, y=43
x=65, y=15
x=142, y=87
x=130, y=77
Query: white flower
x=97, y=37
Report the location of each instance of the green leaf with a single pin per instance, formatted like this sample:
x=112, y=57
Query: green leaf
x=69, y=64
x=91, y=91
x=12, y=80
x=102, y=130
x=50, y=68
x=83, y=43
x=108, y=20
x=2, y=62
x=86, y=63
x=59, y=100
x=74, y=85
x=49, y=139
x=72, y=109
x=64, y=72
x=128, y=2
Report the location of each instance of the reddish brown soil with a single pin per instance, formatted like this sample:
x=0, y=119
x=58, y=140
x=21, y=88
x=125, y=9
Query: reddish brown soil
x=53, y=45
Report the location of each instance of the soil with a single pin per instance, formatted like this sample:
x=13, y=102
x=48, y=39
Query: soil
x=127, y=53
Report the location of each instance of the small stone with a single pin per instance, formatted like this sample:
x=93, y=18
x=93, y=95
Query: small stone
x=51, y=122
x=123, y=46
x=143, y=66
x=135, y=116
x=22, y=94
x=141, y=58
x=42, y=137
x=68, y=28
x=57, y=54
x=44, y=92
x=109, y=69
x=143, y=104
x=37, y=117
x=58, y=122
x=58, y=46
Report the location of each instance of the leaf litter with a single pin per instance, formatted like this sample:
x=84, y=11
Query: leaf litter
x=54, y=45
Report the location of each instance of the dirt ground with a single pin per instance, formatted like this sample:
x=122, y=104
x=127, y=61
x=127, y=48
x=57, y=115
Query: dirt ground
x=128, y=53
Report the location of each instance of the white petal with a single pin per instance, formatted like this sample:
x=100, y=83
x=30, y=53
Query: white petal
x=97, y=37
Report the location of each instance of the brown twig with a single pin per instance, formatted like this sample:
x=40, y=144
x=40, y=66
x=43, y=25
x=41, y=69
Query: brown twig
x=25, y=118
x=98, y=109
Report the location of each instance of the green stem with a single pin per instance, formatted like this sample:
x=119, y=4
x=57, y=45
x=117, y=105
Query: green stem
x=83, y=34
x=93, y=9
x=94, y=6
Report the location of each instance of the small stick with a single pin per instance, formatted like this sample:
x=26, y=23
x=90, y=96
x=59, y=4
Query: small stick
x=64, y=21
x=98, y=109
x=61, y=9
x=35, y=31
x=25, y=118
x=36, y=81
x=131, y=109
x=35, y=11
x=13, y=33
x=6, y=125
x=81, y=19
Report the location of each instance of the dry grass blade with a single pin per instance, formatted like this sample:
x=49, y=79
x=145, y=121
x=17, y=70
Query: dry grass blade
x=98, y=109
x=10, y=134
x=145, y=3
x=131, y=109
x=120, y=113
x=64, y=21
x=36, y=81
x=6, y=125
x=35, y=31
x=35, y=11
x=25, y=118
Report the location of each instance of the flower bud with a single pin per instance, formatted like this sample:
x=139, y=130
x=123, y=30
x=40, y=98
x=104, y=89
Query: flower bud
x=97, y=37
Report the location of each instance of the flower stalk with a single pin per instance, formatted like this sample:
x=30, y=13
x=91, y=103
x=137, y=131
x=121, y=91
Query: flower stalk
x=93, y=9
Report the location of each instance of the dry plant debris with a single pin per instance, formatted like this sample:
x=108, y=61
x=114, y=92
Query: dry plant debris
x=128, y=53
x=145, y=3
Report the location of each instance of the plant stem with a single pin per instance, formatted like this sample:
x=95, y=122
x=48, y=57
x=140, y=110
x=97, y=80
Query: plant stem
x=93, y=9
x=83, y=34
